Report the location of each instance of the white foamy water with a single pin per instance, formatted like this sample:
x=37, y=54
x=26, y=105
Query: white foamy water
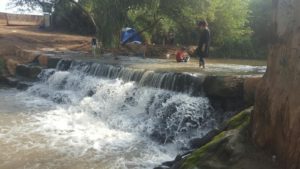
x=70, y=121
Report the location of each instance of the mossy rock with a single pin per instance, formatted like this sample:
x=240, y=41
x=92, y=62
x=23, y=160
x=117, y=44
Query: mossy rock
x=28, y=71
x=223, y=149
x=238, y=120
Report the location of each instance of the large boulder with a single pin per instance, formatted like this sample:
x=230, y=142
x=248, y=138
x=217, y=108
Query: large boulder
x=276, y=118
x=225, y=92
x=224, y=86
x=230, y=148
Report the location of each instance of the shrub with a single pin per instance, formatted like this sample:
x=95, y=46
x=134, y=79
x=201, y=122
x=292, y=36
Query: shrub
x=241, y=48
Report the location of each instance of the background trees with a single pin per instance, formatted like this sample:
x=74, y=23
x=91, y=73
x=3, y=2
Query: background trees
x=239, y=27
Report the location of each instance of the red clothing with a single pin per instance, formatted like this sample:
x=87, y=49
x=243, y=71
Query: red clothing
x=180, y=56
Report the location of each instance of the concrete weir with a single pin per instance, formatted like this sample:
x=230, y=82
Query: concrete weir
x=226, y=93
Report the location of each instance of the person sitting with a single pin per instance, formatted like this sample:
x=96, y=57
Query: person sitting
x=182, y=55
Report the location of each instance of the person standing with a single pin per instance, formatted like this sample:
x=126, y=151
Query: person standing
x=94, y=46
x=204, y=42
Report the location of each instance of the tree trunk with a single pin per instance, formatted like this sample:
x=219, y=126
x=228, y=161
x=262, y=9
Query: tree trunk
x=276, y=117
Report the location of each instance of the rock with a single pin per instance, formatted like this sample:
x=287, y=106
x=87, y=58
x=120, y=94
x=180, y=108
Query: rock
x=223, y=87
x=12, y=82
x=168, y=163
x=23, y=85
x=64, y=65
x=226, y=93
x=2, y=79
x=27, y=55
x=43, y=60
x=276, y=117
x=52, y=62
x=199, y=142
x=232, y=123
x=91, y=93
x=28, y=71
x=161, y=137
x=162, y=167
x=11, y=66
x=231, y=148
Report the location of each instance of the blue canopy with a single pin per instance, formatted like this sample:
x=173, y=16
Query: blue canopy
x=130, y=35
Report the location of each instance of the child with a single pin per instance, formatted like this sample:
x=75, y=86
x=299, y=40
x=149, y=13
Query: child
x=182, y=56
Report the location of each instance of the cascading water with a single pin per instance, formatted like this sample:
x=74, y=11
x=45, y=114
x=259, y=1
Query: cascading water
x=73, y=118
x=179, y=82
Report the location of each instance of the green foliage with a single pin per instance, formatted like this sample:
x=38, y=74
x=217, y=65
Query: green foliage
x=68, y=17
x=239, y=48
x=228, y=19
x=261, y=24
x=239, y=28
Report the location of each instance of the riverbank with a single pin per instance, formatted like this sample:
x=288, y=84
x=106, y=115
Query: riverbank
x=18, y=42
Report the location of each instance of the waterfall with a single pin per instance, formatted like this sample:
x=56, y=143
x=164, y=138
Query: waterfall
x=179, y=82
x=102, y=116
x=170, y=113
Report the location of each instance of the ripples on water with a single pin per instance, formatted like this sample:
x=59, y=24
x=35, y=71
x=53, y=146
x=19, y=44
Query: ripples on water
x=70, y=120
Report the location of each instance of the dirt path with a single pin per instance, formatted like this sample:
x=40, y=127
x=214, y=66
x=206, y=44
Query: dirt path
x=13, y=38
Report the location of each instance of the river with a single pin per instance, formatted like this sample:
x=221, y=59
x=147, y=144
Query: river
x=72, y=120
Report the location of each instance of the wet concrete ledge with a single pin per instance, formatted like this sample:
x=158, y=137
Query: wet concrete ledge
x=227, y=92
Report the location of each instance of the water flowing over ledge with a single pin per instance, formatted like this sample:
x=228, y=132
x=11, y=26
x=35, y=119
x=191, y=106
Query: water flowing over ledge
x=178, y=82
x=73, y=115
x=226, y=93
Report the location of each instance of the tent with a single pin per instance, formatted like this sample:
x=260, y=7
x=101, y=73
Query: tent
x=130, y=35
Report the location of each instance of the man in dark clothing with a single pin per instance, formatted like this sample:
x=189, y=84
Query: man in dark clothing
x=204, y=42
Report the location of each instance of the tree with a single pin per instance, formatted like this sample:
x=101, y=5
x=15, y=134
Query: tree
x=261, y=24
x=229, y=19
x=34, y=4
x=275, y=120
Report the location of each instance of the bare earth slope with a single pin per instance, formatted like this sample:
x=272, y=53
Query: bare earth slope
x=13, y=38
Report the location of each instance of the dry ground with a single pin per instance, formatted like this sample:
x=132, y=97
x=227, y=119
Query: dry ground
x=13, y=38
